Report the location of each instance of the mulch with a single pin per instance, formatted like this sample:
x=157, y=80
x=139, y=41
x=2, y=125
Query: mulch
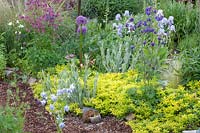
x=38, y=120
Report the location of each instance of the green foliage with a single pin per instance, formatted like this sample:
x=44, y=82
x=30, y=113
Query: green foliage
x=96, y=8
x=186, y=17
x=11, y=117
x=2, y=56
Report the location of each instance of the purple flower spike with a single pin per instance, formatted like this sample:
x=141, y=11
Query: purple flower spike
x=148, y=11
x=152, y=44
x=131, y=19
x=81, y=20
x=82, y=29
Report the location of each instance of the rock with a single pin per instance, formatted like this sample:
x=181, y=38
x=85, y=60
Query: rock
x=91, y=115
x=31, y=80
x=191, y=131
x=129, y=117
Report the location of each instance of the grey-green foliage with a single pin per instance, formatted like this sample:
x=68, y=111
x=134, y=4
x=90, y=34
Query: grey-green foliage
x=11, y=117
x=2, y=56
x=118, y=58
x=98, y=8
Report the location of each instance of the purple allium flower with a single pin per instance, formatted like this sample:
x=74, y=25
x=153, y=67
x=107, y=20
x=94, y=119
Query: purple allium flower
x=152, y=44
x=126, y=13
x=148, y=11
x=81, y=20
x=62, y=125
x=118, y=17
x=51, y=107
x=82, y=29
x=53, y=97
x=131, y=19
x=43, y=102
x=66, y=108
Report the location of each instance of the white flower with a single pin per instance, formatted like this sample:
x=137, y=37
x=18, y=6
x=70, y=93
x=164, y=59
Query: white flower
x=66, y=108
x=62, y=125
x=17, y=21
x=53, y=97
x=164, y=21
x=43, y=102
x=171, y=20
x=172, y=28
x=126, y=13
x=16, y=32
x=59, y=92
x=10, y=23
x=118, y=17
x=159, y=13
x=21, y=26
x=161, y=32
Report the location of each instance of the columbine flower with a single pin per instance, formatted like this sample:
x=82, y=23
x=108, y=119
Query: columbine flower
x=126, y=13
x=148, y=11
x=171, y=20
x=21, y=26
x=72, y=87
x=159, y=15
x=82, y=29
x=43, y=102
x=172, y=28
x=10, y=23
x=62, y=125
x=81, y=20
x=17, y=21
x=51, y=107
x=164, y=21
x=118, y=17
x=114, y=25
x=161, y=32
x=131, y=19
x=59, y=92
x=66, y=108
x=43, y=95
x=53, y=97
x=152, y=44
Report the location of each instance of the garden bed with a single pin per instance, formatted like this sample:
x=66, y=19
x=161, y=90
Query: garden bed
x=38, y=120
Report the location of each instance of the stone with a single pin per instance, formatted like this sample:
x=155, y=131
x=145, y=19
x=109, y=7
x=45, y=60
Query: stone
x=91, y=115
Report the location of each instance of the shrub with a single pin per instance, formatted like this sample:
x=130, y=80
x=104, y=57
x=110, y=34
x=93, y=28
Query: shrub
x=96, y=8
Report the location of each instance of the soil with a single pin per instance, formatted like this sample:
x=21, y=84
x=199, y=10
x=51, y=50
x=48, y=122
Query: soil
x=38, y=120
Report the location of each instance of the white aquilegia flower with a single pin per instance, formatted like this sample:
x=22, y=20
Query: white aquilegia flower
x=118, y=17
x=114, y=25
x=10, y=23
x=17, y=21
x=21, y=26
x=161, y=32
x=43, y=102
x=62, y=125
x=66, y=108
x=53, y=97
x=164, y=21
x=172, y=28
x=126, y=13
x=59, y=92
x=171, y=20
x=159, y=13
x=51, y=107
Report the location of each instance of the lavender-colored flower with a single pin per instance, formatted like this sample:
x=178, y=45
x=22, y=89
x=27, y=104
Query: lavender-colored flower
x=81, y=20
x=132, y=47
x=171, y=20
x=66, y=108
x=149, y=19
x=43, y=102
x=51, y=107
x=145, y=23
x=119, y=32
x=131, y=19
x=159, y=18
x=144, y=42
x=148, y=11
x=164, y=21
x=161, y=32
x=172, y=28
x=118, y=17
x=159, y=15
x=139, y=24
x=82, y=29
x=62, y=125
x=148, y=30
x=43, y=95
x=126, y=13
x=53, y=97
x=59, y=92
x=159, y=38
